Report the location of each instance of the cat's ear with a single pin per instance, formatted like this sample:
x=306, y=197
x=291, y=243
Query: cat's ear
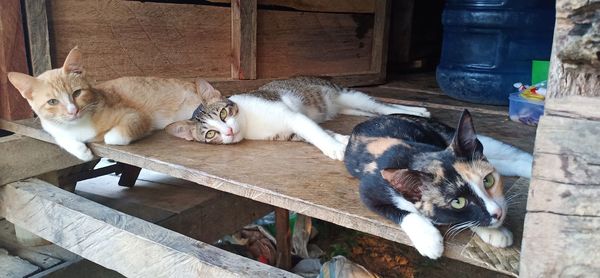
x=208, y=93
x=182, y=129
x=407, y=182
x=465, y=142
x=73, y=62
x=23, y=82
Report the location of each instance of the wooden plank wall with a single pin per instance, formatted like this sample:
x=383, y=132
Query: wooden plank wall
x=12, y=58
x=561, y=236
x=127, y=38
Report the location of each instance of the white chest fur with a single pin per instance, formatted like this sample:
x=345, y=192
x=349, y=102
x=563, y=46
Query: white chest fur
x=262, y=119
x=83, y=130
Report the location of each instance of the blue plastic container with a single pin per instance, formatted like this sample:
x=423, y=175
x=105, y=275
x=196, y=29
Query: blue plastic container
x=488, y=45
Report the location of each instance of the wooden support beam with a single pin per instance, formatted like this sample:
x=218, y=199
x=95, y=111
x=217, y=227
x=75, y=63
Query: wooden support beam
x=129, y=174
x=560, y=235
x=12, y=58
x=381, y=28
x=283, y=237
x=118, y=241
x=40, y=158
x=37, y=32
x=243, y=39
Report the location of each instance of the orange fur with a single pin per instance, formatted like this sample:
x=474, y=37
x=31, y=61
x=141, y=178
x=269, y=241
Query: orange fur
x=129, y=106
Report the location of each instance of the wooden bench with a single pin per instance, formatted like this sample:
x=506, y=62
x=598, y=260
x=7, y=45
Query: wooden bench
x=298, y=177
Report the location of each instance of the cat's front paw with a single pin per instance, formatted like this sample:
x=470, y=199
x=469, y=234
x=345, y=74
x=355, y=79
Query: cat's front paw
x=83, y=153
x=336, y=151
x=114, y=137
x=426, y=238
x=497, y=237
x=342, y=138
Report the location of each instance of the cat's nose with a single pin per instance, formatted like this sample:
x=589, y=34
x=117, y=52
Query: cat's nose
x=497, y=214
x=229, y=131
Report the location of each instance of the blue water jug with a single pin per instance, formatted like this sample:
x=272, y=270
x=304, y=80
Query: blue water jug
x=488, y=45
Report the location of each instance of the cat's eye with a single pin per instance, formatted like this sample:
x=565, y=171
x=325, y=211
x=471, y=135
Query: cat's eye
x=53, y=101
x=488, y=181
x=223, y=114
x=210, y=134
x=458, y=203
x=76, y=93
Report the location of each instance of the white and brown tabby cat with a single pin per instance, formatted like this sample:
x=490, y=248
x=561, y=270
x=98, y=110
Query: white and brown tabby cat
x=287, y=109
x=75, y=111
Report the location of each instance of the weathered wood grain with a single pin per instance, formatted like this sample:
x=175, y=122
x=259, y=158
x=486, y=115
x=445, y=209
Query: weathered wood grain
x=39, y=157
x=12, y=58
x=130, y=246
x=290, y=175
x=307, y=43
x=243, y=39
x=560, y=236
x=34, y=255
x=560, y=246
x=283, y=236
x=37, y=31
x=124, y=38
x=15, y=267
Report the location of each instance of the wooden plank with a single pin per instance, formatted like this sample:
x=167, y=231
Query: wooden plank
x=573, y=159
x=574, y=107
x=35, y=255
x=115, y=240
x=125, y=38
x=14, y=267
x=558, y=239
x=294, y=43
x=328, y=192
x=332, y=6
x=182, y=207
x=12, y=58
x=243, y=39
x=381, y=26
x=283, y=237
x=565, y=199
x=16, y=165
x=37, y=31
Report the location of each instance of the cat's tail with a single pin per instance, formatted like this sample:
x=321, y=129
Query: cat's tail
x=352, y=102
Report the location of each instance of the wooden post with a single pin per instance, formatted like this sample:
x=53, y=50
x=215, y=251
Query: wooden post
x=380, y=38
x=561, y=236
x=129, y=174
x=243, y=39
x=37, y=31
x=12, y=58
x=282, y=227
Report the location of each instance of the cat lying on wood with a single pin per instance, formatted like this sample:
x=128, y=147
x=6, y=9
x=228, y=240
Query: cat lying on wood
x=116, y=112
x=283, y=110
x=418, y=173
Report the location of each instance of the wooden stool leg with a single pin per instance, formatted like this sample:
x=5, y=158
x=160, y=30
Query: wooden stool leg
x=282, y=226
x=129, y=174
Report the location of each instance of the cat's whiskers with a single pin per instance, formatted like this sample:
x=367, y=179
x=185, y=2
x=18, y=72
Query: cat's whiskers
x=457, y=228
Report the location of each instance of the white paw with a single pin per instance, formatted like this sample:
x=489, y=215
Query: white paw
x=425, y=237
x=114, y=137
x=82, y=152
x=497, y=237
x=336, y=151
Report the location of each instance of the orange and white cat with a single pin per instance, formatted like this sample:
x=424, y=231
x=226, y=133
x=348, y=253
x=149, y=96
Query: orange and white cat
x=75, y=111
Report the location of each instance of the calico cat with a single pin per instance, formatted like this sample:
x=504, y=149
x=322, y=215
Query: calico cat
x=283, y=110
x=117, y=112
x=418, y=172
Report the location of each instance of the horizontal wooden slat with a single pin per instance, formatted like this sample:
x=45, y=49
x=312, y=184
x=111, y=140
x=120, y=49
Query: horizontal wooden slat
x=567, y=238
x=337, y=6
x=574, y=107
x=564, y=198
x=125, y=38
x=571, y=159
x=39, y=158
x=118, y=241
